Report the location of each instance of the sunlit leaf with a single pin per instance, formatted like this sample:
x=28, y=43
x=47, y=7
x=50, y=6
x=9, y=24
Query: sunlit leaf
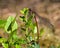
x=11, y=24
x=8, y=23
x=2, y=40
x=24, y=11
x=5, y=45
x=15, y=26
x=22, y=18
x=35, y=29
x=17, y=46
x=15, y=37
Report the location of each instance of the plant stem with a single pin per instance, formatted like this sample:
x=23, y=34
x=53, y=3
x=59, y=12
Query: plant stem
x=35, y=17
x=37, y=29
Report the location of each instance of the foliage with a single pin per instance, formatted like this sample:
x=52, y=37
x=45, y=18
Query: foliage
x=29, y=30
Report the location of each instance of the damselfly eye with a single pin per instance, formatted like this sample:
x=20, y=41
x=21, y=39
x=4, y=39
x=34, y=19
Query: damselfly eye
x=29, y=9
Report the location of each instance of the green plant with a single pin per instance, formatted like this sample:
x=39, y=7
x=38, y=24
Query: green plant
x=10, y=27
x=29, y=28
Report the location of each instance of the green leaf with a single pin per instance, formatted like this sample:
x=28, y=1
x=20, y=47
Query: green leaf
x=8, y=23
x=35, y=29
x=32, y=26
x=22, y=41
x=19, y=41
x=2, y=23
x=22, y=18
x=41, y=31
x=5, y=45
x=24, y=11
x=11, y=41
x=2, y=40
x=18, y=46
x=15, y=37
x=15, y=26
x=11, y=24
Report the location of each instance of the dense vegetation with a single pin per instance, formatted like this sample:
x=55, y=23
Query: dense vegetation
x=31, y=34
